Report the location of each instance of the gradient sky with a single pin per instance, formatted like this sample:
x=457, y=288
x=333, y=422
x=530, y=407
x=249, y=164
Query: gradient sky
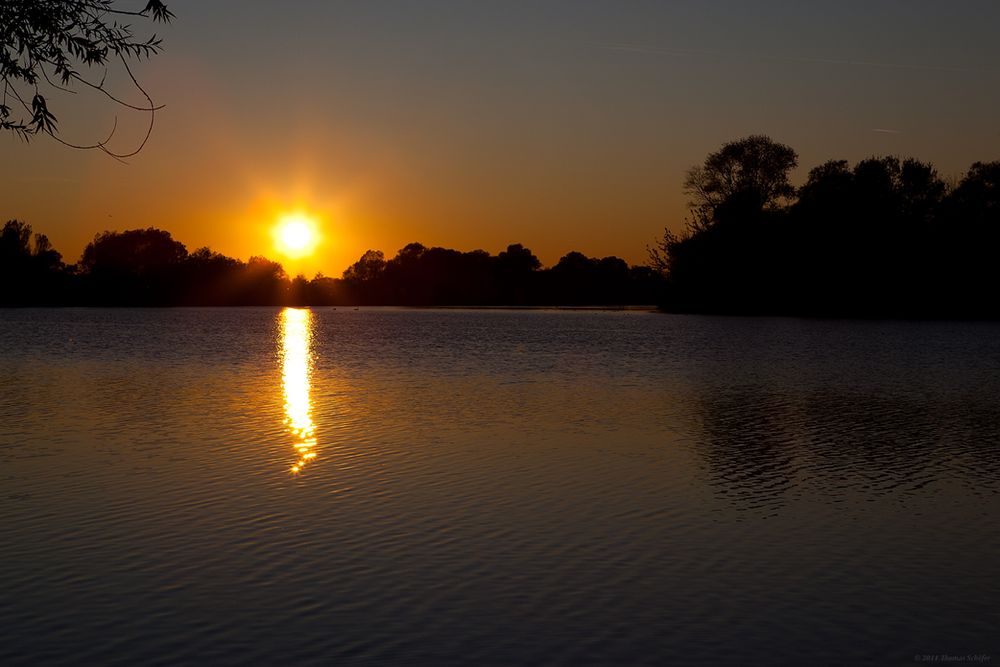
x=560, y=125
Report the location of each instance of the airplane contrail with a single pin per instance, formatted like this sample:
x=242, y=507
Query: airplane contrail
x=656, y=50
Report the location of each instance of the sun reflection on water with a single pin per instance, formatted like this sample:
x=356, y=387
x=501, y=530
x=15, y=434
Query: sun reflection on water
x=296, y=365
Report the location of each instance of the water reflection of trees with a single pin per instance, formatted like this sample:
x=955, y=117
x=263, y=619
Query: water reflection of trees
x=762, y=448
x=748, y=447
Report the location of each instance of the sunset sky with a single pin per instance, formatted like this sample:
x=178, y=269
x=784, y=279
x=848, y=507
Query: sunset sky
x=560, y=125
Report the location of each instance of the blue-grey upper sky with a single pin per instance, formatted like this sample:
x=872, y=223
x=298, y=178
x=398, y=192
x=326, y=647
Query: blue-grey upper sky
x=561, y=125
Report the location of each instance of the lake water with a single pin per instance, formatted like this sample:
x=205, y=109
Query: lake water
x=265, y=486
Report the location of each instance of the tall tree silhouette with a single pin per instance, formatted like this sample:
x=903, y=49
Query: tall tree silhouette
x=736, y=203
x=749, y=175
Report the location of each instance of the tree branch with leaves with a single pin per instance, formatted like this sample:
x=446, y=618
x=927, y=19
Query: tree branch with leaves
x=56, y=45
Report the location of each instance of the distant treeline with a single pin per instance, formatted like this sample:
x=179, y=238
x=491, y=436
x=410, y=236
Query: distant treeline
x=887, y=237
x=147, y=267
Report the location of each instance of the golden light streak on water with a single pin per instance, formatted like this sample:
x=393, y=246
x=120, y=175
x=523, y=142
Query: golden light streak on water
x=296, y=366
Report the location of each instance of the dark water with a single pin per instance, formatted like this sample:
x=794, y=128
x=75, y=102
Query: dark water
x=495, y=488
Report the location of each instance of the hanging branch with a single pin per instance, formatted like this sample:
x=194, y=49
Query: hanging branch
x=44, y=45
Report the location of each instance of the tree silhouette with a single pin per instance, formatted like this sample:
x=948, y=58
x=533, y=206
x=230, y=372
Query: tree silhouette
x=366, y=269
x=364, y=277
x=135, y=267
x=968, y=236
x=516, y=269
x=208, y=278
x=974, y=205
x=750, y=173
x=422, y=276
x=31, y=270
x=54, y=45
x=720, y=263
x=265, y=283
x=885, y=238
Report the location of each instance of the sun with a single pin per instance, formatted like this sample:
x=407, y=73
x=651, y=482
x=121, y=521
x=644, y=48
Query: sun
x=295, y=235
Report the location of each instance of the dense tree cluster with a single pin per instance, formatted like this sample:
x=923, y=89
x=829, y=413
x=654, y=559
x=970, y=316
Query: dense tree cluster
x=884, y=238
x=421, y=276
x=147, y=267
x=139, y=267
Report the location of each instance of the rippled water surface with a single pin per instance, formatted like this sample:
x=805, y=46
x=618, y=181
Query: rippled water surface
x=257, y=486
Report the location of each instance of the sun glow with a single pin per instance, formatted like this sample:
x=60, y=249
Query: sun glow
x=296, y=235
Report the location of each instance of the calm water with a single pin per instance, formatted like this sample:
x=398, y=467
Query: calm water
x=260, y=486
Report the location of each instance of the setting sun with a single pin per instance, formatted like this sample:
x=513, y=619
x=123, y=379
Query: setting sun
x=296, y=235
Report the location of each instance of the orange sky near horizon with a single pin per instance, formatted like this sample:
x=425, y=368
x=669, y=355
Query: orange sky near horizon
x=564, y=127
x=362, y=189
